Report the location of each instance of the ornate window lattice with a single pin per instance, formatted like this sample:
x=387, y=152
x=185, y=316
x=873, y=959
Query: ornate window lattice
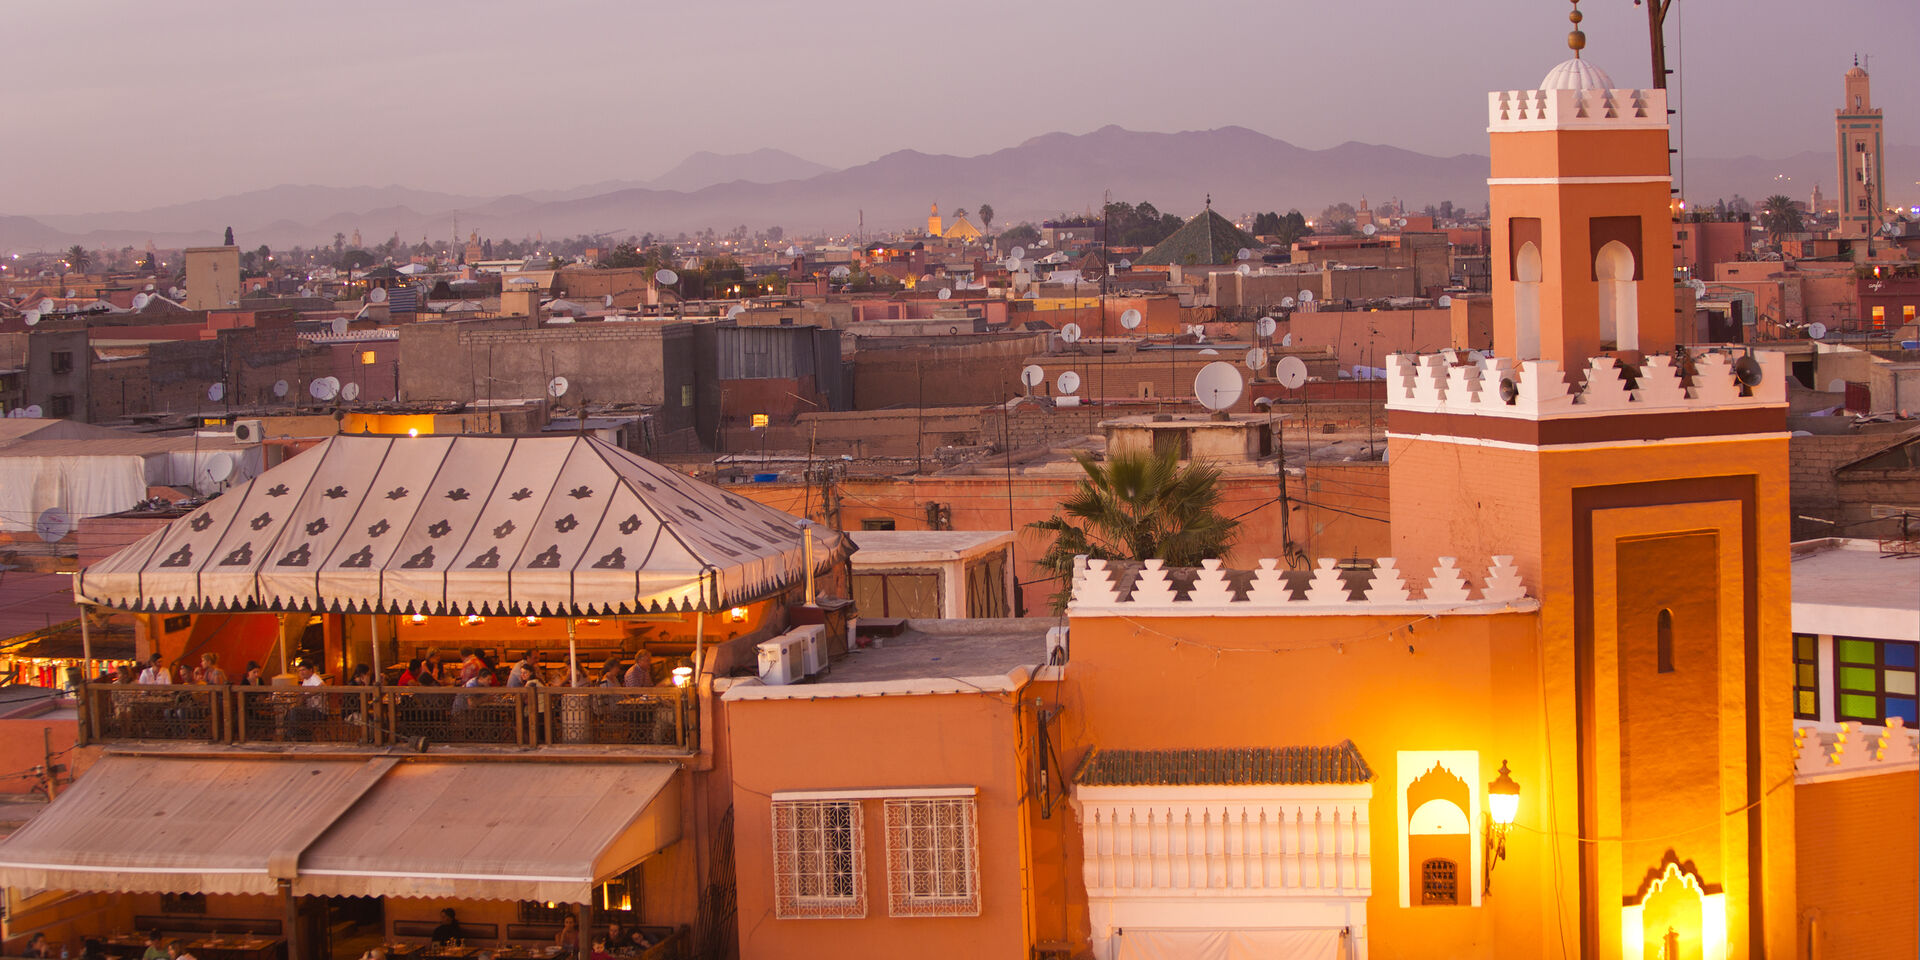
x=819, y=867
x=1439, y=882
x=933, y=858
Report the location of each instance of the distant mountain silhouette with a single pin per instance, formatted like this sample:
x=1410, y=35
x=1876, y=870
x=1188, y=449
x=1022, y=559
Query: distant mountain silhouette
x=1048, y=175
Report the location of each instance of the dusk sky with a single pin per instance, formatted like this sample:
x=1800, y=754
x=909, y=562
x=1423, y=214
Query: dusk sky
x=131, y=105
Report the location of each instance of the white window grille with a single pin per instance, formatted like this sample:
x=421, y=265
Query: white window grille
x=933, y=858
x=819, y=868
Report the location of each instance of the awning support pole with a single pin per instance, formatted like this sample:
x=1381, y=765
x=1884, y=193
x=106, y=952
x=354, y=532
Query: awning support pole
x=282, y=644
x=573, y=656
x=699, y=642
x=86, y=647
x=292, y=904
x=378, y=676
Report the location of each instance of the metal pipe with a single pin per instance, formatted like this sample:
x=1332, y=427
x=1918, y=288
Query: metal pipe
x=573, y=656
x=377, y=674
x=86, y=648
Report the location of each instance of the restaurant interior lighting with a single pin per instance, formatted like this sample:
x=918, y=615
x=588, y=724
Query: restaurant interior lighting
x=1503, y=803
x=473, y=619
x=737, y=614
x=417, y=619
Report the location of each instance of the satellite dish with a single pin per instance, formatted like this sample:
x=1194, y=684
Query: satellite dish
x=839, y=273
x=1444, y=301
x=53, y=524
x=1017, y=252
x=1265, y=326
x=216, y=391
x=33, y=411
x=149, y=288
x=339, y=326
x=377, y=295
x=1256, y=359
x=140, y=301
x=351, y=391
x=1067, y=382
x=793, y=251
x=1209, y=352
x=176, y=292
x=1033, y=294
x=46, y=305
x=31, y=318
x=1013, y=263
x=1369, y=229
x=734, y=312
x=607, y=301
x=1833, y=386
x=1243, y=254
x=1070, y=333
x=1244, y=269
x=1291, y=372
x=1287, y=341
x=1306, y=296
x=557, y=387
x=1031, y=374
x=322, y=389
x=1130, y=318
x=1748, y=371
x=218, y=467
x=71, y=293
x=668, y=278
x=1699, y=286
x=945, y=294
x=1217, y=386
x=279, y=388
x=1126, y=264
x=1818, y=331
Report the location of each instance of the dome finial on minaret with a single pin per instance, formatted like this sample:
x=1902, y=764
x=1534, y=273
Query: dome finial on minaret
x=1576, y=41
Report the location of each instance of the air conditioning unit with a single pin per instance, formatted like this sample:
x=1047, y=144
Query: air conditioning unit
x=248, y=431
x=813, y=652
x=781, y=661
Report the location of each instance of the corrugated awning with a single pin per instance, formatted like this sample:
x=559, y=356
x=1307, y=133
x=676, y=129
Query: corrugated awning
x=168, y=825
x=496, y=831
x=554, y=526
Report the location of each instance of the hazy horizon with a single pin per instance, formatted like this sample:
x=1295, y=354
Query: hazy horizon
x=468, y=99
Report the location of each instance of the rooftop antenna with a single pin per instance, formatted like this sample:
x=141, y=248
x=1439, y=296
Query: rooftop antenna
x=1031, y=375
x=1217, y=386
x=1291, y=372
x=53, y=525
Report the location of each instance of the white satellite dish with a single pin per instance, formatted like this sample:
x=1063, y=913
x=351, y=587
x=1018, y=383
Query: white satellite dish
x=46, y=305
x=31, y=318
x=1130, y=318
x=279, y=388
x=53, y=524
x=1833, y=386
x=149, y=288
x=1265, y=326
x=557, y=387
x=1818, y=331
x=1126, y=264
x=665, y=277
x=1033, y=294
x=1291, y=372
x=839, y=273
x=1244, y=269
x=793, y=251
x=350, y=392
x=1013, y=264
x=216, y=391
x=323, y=389
x=734, y=312
x=607, y=301
x=1032, y=374
x=1243, y=254
x=339, y=326
x=1067, y=383
x=218, y=467
x=1287, y=341
x=945, y=294
x=1306, y=296
x=1256, y=359
x=176, y=292
x=1369, y=229
x=1286, y=302
x=1209, y=352
x=1070, y=333
x=1444, y=301
x=377, y=295
x=1217, y=385
x=140, y=301
x=1016, y=253
x=32, y=412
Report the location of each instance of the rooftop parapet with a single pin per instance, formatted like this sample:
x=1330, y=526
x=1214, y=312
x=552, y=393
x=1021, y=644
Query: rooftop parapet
x=1153, y=589
x=1452, y=382
x=1851, y=751
x=1510, y=111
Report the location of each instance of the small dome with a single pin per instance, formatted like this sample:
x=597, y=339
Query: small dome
x=1856, y=73
x=1577, y=74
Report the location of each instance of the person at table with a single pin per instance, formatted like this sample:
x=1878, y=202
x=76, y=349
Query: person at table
x=471, y=666
x=449, y=928
x=254, y=676
x=156, y=672
x=618, y=937
x=362, y=676
x=177, y=950
x=210, y=668
x=37, y=947
x=610, y=672
x=184, y=675
x=600, y=950
x=521, y=675
x=156, y=947
x=123, y=673
x=569, y=936
x=641, y=673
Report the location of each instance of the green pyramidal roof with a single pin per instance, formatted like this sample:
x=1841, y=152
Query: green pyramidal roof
x=1207, y=238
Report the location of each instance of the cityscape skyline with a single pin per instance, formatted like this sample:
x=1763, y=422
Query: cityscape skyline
x=431, y=101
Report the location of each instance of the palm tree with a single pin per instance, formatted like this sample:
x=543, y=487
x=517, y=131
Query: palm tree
x=1779, y=216
x=78, y=259
x=1137, y=506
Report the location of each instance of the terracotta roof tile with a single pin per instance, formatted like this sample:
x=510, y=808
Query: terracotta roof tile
x=1225, y=766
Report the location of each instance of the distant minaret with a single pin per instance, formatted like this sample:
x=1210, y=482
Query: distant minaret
x=933, y=223
x=1858, y=138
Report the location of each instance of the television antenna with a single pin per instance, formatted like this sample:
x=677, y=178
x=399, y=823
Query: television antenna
x=1256, y=359
x=323, y=389
x=1244, y=269
x=667, y=278
x=557, y=387
x=1031, y=375
x=31, y=318
x=217, y=468
x=1817, y=331
x=1217, y=386
x=338, y=326
x=32, y=412
x=1287, y=340
x=1306, y=296
x=1013, y=263
x=1369, y=229
x=1243, y=254
x=607, y=301
x=1067, y=382
x=1444, y=302
x=140, y=301
x=53, y=524
x=1265, y=326
x=1015, y=254
x=945, y=294
x=1287, y=302
x=1291, y=372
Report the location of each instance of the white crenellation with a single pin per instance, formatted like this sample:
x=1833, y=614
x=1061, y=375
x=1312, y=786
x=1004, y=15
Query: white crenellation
x=1433, y=384
x=1326, y=592
x=1849, y=748
x=1463, y=384
x=1851, y=751
x=1503, y=582
x=1210, y=585
x=1606, y=387
x=1387, y=585
x=1896, y=743
x=1402, y=370
x=1327, y=585
x=1659, y=383
x=1155, y=584
x=1713, y=381
x=1448, y=585
x=1521, y=110
x=1269, y=587
x=1430, y=381
x=1543, y=388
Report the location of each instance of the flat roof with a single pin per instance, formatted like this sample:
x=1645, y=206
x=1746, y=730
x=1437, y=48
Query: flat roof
x=928, y=657
x=882, y=547
x=1849, y=587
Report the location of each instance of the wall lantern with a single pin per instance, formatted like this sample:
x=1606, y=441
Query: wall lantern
x=1503, y=801
x=737, y=614
x=418, y=619
x=473, y=620
x=682, y=675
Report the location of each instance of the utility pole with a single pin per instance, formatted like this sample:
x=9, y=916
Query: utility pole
x=1656, y=33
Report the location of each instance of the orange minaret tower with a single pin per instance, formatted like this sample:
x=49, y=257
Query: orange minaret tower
x=1644, y=491
x=1859, y=144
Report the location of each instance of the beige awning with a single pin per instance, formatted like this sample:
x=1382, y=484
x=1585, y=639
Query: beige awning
x=177, y=825
x=496, y=831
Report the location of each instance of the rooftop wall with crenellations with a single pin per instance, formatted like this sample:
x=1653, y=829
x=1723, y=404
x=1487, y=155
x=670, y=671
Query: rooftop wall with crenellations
x=1454, y=382
x=1518, y=110
x=1150, y=588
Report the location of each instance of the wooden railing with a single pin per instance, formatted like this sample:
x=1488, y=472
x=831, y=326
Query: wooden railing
x=382, y=716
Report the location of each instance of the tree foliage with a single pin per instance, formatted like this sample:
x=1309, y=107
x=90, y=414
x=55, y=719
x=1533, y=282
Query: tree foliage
x=1138, y=226
x=1288, y=228
x=78, y=259
x=1780, y=217
x=1138, y=506
x=986, y=217
x=1020, y=234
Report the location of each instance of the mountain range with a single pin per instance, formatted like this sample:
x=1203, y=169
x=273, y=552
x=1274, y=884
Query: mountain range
x=1049, y=175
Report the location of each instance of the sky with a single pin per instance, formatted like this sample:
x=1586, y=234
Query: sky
x=128, y=105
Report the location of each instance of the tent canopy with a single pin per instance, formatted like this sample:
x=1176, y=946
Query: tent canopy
x=561, y=526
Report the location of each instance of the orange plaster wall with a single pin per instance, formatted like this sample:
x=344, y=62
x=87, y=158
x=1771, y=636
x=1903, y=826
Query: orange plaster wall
x=1859, y=874
x=878, y=742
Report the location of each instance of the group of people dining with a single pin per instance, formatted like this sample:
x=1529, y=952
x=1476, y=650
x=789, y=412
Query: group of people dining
x=615, y=940
x=475, y=668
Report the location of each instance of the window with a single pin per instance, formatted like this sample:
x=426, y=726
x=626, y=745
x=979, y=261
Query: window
x=1439, y=882
x=819, y=870
x=1879, y=318
x=1873, y=680
x=61, y=361
x=1806, y=676
x=366, y=358
x=195, y=903
x=540, y=911
x=175, y=624
x=686, y=395
x=877, y=523
x=60, y=405
x=933, y=858
x=1663, y=641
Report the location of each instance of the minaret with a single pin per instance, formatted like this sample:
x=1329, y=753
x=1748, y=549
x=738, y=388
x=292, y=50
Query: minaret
x=933, y=223
x=1859, y=148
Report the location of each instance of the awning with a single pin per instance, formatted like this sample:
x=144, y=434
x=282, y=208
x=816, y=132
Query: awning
x=496, y=831
x=464, y=525
x=168, y=825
